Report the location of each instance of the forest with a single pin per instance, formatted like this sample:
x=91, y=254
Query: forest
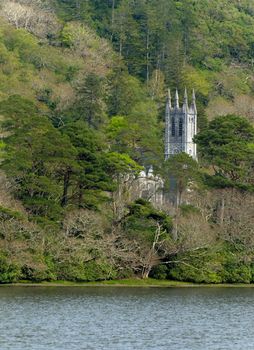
x=83, y=88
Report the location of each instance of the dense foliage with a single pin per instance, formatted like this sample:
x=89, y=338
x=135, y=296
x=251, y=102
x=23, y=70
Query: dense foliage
x=82, y=97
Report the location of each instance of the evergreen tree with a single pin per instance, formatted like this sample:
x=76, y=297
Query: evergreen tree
x=90, y=105
x=90, y=178
x=37, y=158
x=227, y=145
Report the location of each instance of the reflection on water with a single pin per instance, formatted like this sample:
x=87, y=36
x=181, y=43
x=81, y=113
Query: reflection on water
x=77, y=318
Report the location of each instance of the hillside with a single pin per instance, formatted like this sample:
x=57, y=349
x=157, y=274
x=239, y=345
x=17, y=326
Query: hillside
x=198, y=44
x=83, y=87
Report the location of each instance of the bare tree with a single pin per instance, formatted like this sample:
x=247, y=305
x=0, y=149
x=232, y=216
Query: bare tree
x=35, y=16
x=153, y=256
x=238, y=218
x=96, y=53
x=195, y=233
x=244, y=105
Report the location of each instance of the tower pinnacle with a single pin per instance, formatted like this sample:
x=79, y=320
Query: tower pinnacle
x=177, y=99
x=185, y=100
x=185, y=95
x=193, y=95
x=169, y=98
x=193, y=104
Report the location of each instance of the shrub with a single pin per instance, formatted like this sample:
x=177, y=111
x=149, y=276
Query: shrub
x=86, y=272
x=9, y=272
x=160, y=272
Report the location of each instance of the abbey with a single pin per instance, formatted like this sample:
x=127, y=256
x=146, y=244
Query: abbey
x=180, y=129
x=180, y=126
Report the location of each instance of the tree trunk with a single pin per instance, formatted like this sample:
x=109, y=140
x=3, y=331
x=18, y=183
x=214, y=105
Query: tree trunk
x=113, y=13
x=147, y=56
x=78, y=9
x=112, y=19
x=178, y=203
x=65, y=188
x=146, y=271
x=80, y=196
x=221, y=211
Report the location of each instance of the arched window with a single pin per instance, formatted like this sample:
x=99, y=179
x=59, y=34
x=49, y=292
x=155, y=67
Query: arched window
x=173, y=125
x=180, y=127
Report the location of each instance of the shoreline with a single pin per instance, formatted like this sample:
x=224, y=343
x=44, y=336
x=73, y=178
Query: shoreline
x=150, y=283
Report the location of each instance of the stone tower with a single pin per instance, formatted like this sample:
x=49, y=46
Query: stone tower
x=181, y=126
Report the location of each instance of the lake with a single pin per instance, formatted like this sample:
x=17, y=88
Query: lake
x=77, y=318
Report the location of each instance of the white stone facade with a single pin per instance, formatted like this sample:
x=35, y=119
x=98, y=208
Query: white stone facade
x=150, y=187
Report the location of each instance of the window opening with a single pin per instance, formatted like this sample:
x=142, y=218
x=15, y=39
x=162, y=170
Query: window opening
x=173, y=127
x=180, y=127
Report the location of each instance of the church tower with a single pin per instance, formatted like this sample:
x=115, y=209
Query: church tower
x=180, y=126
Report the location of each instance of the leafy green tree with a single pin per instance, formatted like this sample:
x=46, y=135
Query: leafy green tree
x=227, y=145
x=137, y=134
x=121, y=164
x=38, y=158
x=98, y=169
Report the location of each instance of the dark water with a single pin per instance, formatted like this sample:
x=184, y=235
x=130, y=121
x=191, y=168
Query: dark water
x=126, y=318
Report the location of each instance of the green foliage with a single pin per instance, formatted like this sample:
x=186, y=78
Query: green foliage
x=227, y=145
x=91, y=175
x=214, y=265
x=87, y=271
x=9, y=272
x=137, y=134
x=29, y=66
x=69, y=10
x=35, y=273
x=38, y=157
x=142, y=220
x=90, y=106
x=201, y=44
x=121, y=164
x=181, y=171
x=160, y=272
x=125, y=91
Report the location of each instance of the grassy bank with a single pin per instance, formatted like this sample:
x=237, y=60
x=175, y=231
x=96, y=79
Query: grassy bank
x=147, y=283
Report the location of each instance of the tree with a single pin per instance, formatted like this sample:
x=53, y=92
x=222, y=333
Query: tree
x=96, y=54
x=38, y=158
x=74, y=10
x=149, y=230
x=90, y=178
x=182, y=170
x=227, y=145
x=36, y=17
x=123, y=170
x=90, y=105
x=137, y=134
x=125, y=91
